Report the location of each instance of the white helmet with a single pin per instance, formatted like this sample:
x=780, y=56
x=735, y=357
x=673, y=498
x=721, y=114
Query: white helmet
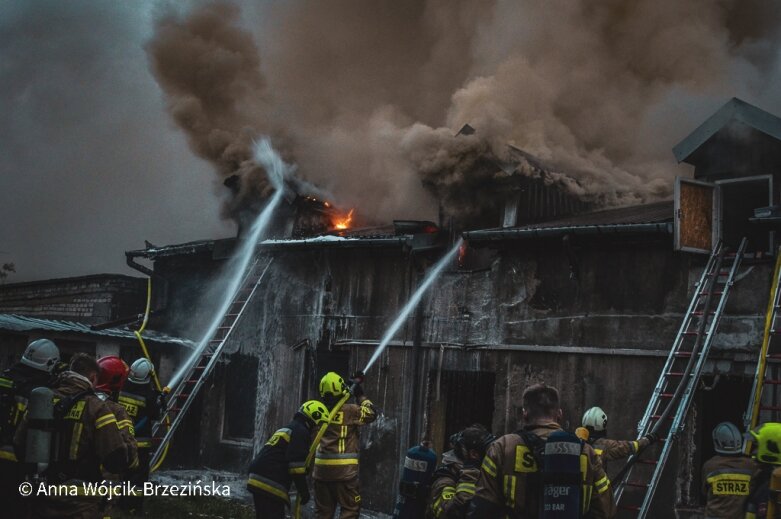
x=141, y=371
x=595, y=419
x=41, y=354
x=727, y=439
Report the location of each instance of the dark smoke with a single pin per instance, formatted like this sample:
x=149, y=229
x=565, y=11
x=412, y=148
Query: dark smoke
x=369, y=95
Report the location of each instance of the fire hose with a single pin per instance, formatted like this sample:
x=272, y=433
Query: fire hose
x=357, y=379
x=665, y=415
x=145, y=351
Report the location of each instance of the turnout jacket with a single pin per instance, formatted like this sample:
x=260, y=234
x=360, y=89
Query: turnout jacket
x=504, y=478
x=282, y=460
x=337, y=455
x=142, y=403
x=726, y=481
x=126, y=431
x=610, y=450
x=16, y=383
x=452, y=489
x=87, y=437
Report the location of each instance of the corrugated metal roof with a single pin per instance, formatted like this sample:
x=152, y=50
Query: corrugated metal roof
x=649, y=213
x=734, y=110
x=21, y=323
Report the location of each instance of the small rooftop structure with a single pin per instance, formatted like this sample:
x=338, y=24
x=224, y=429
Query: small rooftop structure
x=738, y=140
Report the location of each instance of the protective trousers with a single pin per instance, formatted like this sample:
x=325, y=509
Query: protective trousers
x=268, y=507
x=345, y=494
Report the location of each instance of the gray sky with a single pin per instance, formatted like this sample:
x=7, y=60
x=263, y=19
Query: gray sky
x=90, y=163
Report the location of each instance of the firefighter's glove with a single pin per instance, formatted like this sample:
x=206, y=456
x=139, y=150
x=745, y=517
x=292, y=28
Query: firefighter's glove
x=358, y=391
x=303, y=490
x=652, y=438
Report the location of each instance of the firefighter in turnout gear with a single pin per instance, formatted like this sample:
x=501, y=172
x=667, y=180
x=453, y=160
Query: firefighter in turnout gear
x=111, y=378
x=144, y=405
x=595, y=422
x=727, y=475
x=33, y=370
x=764, y=499
x=336, y=462
x=282, y=460
x=86, y=440
x=541, y=469
x=454, y=482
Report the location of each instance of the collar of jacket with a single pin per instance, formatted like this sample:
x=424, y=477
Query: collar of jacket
x=73, y=382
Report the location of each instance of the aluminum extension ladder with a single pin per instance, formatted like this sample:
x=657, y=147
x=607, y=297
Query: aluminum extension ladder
x=689, y=350
x=183, y=395
x=765, y=406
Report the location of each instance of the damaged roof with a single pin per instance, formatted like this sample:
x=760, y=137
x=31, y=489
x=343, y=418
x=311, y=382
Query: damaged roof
x=639, y=219
x=734, y=111
x=21, y=323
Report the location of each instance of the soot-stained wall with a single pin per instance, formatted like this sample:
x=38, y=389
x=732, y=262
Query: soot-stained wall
x=596, y=323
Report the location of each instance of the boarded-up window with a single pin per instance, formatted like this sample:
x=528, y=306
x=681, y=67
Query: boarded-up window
x=694, y=216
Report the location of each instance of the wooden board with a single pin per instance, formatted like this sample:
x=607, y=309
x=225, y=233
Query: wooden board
x=695, y=216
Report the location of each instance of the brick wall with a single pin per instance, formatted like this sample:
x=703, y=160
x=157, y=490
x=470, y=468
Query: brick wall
x=88, y=299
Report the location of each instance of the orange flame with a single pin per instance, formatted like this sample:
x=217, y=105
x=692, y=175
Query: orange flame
x=344, y=223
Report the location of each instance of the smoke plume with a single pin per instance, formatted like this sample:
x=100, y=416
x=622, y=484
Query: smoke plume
x=366, y=97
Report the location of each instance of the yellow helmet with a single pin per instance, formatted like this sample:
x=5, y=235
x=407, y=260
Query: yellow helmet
x=768, y=443
x=332, y=384
x=315, y=411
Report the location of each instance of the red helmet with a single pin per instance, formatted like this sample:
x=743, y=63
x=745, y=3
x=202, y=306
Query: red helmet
x=113, y=373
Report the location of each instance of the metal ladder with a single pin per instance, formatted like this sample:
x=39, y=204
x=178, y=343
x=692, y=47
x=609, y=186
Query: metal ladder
x=183, y=395
x=762, y=406
x=689, y=350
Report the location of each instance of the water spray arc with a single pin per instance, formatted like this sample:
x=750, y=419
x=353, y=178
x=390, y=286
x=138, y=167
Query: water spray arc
x=246, y=270
x=397, y=323
x=277, y=171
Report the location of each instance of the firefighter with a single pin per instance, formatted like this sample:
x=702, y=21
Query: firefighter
x=595, y=422
x=336, y=462
x=86, y=437
x=34, y=369
x=111, y=378
x=765, y=487
x=454, y=482
x=520, y=468
x=144, y=405
x=282, y=460
x=726, y=476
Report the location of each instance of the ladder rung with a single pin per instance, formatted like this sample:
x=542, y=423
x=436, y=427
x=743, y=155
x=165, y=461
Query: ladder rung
x=631, y=508
x=191, y=381
x=174, y=409
x=236, y=302
x=636, y=484
x=647, y=462
x=772, y=381
x=770, y=408
x=182, y=395
x=666, y=395
x=657, y=416
x=700, y=313
x=773, y=356
x=715, y=293
x=683, y=354
x=674, y=374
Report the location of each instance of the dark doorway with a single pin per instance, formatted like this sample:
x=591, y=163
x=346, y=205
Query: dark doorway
x=241, y=390
x=739, y=198
x=458, y=399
